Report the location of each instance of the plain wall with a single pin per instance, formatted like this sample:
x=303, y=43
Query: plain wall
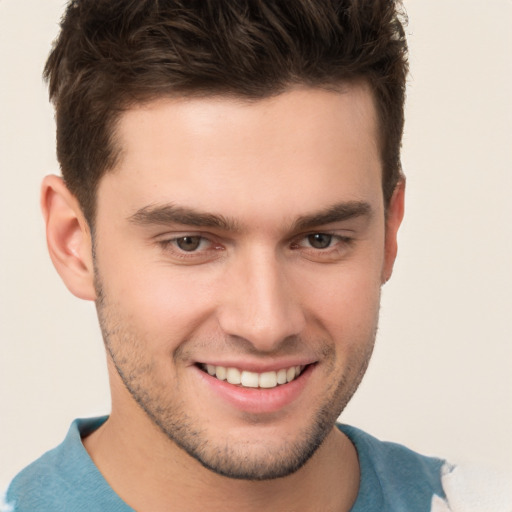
x=440, y=380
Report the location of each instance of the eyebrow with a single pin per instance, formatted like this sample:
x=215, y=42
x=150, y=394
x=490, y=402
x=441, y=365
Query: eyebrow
x=173, y=214
x=338, y=212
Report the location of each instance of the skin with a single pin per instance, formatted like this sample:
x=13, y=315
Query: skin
x=255, y=292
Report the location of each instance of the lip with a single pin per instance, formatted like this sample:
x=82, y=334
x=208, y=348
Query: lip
x=257, y=400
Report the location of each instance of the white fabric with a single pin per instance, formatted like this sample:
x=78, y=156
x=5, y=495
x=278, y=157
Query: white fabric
x=4, y=506
x=471, y=488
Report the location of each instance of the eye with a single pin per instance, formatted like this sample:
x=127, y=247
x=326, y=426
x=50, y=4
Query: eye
x=320, y=240
x=190, y=248
x=324, y=247
x=189, y=243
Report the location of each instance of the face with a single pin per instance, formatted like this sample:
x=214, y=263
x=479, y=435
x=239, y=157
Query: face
x=240, y=248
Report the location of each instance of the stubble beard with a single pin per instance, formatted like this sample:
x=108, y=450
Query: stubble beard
x=247, y=460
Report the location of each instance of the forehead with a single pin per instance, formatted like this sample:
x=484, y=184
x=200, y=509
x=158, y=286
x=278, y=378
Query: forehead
x=293, y=152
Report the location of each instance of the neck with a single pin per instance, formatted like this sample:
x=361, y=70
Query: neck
x=150, y=473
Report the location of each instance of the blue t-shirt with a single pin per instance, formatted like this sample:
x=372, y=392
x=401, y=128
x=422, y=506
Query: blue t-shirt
x=65, y=479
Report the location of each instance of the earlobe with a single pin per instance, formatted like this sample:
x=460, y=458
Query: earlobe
x=395, y=214
x=68, y=237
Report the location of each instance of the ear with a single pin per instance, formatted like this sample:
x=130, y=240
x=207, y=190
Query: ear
x=394, y=216
x=68, y=237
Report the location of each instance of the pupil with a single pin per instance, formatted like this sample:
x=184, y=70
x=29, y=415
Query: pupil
x=320, y=240
x=188, y=243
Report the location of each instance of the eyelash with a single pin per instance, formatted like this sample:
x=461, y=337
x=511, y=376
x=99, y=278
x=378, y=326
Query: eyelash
x=337, y=244
x=333, y=237
x=172, y=245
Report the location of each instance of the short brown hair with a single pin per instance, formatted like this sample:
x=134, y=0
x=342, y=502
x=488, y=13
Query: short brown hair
x=111, y=54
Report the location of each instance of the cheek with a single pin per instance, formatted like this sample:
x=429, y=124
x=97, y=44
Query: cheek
x=346, y=302
x=160, y=300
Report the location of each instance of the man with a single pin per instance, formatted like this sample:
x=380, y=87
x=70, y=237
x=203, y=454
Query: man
x=230, y=199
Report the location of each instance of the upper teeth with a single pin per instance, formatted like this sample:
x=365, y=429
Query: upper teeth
x=253, y=379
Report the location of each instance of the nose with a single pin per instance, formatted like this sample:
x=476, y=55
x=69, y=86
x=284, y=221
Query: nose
x=259, y=303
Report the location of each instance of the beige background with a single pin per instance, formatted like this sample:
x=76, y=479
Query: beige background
x=440, y=380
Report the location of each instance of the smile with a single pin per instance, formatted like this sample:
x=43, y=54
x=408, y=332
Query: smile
x=249, y=379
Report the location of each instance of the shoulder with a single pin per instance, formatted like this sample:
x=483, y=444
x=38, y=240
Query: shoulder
x=32, y=487
x=393, y=477
x=63, y=479
x=394, y=462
